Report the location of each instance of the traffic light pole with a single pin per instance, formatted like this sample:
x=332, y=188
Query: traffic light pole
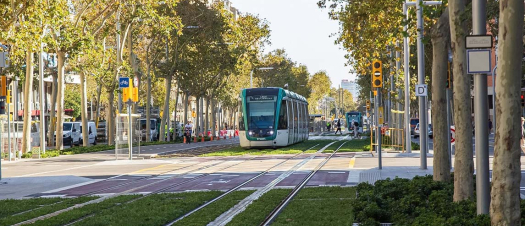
x=378, y=129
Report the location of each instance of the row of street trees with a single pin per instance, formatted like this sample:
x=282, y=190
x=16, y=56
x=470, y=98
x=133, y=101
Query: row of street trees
x=371, y=28
x=175, y=47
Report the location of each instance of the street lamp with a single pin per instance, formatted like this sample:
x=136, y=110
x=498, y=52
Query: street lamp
x=260, y=69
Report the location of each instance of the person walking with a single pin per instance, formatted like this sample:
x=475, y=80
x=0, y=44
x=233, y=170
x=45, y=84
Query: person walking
x=328, y=126
x=188, y=129
x=490, y=126
x=356, y=129
x=339, y=127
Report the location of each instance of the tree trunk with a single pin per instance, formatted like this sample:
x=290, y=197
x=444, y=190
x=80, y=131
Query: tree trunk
x=83, y=110
x=99, y=90
x=28, y=91
x=60, y=101
x=463, y=165
x=197, y=113
x=207, y=121
x=506, y=175
x=201, y=115
x=148, y=105
x=165, y=114
x=186, y=98
x=52, y=114
x=440, y=39
x=110, y=120
x=175, y=115
x=213, y=116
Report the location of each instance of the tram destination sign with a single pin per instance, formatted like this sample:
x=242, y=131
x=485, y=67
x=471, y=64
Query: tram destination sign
x=261, y=98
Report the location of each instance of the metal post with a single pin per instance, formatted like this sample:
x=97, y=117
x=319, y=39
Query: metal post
x=9, y=130
x=130, y=131
x=378, y=129
x=449, y=148
x=389, y=110
x=406, y=57
x=481, y=117
x=91, y=109
x=119, y=107
x=494, y=98
x=251, y=78
x=423, y=121
x=398, y=104
x=42, y=98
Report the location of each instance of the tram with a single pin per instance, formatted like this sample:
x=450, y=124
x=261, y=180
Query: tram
x=356, y=117
x=272, y=117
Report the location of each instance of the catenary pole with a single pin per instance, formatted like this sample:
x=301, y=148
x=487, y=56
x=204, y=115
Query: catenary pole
x=481, y=117
x=406, y=58
x=423, y=121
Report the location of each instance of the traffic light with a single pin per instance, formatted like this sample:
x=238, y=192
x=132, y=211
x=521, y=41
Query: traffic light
x=448, y=83
x=3, y=85
x=522, y=100
x=377, y=74
x=368, y=105
x=2, y=105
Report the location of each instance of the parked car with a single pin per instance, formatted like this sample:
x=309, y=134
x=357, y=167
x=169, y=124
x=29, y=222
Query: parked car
x=413, y=123
x=71, y=133
x=92, y=136
x=430, y=131
x=101, y=130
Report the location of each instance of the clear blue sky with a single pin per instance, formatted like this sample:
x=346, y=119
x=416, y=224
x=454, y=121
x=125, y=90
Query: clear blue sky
x=303, y=30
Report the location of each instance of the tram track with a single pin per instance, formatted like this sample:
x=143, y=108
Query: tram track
x=277, y=210
x=130, y=191
x=242, y=184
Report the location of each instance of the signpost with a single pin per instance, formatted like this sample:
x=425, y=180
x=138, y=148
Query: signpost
x=421, y=90
x=129, y=95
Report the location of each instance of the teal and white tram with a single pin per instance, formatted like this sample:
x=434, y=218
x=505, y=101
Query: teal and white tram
x=272, y=117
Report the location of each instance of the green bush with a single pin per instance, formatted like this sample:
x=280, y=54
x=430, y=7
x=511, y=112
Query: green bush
x=415, y=146
x=420, y=201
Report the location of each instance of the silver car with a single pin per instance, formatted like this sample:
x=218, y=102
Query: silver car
x=430, y=131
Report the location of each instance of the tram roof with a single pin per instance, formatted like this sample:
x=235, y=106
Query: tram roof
x=287, y=93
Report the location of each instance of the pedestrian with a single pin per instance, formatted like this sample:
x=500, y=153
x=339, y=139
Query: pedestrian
x=188, y=127
x=339, y=127
x=490, y=126
x=356, y=129
x=328, y=126
x=522, y=132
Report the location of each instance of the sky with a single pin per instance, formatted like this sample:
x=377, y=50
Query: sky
x=303, y=30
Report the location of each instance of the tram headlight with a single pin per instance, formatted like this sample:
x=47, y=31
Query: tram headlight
x=271, y=132
x=250, y=133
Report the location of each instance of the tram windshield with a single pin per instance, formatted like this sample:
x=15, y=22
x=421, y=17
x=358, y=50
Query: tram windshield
x=261, y=115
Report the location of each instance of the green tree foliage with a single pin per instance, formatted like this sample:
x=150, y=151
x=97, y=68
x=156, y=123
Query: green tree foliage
x=319, y=85
x=72, y=99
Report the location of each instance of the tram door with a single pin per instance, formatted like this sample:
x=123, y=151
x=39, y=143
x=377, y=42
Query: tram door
x=296, y=122
x=290, y=121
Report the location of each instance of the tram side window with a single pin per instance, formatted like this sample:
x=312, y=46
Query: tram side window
x=283, y=117
x=296, y=114
x=289, y=114
x=303, y=109
x=241, y=122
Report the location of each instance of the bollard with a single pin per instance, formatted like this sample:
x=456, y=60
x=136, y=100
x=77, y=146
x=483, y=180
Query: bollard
x=184, y=140
x=195, y=139
x=202, y=139
x=211, y=138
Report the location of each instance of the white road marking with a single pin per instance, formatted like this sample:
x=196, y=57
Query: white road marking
x=336, y=172
x=52, y=196
x=54, y=171
x=69, y=187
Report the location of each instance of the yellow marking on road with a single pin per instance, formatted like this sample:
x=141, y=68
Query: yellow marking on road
x=152, y=168
x=352, y=163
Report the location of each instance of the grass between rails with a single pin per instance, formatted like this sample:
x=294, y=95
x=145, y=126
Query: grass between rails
x=10, y=220
x=354, y=146
x=158, y=209
x=319, y=206
x=293, y=149
x=214, y=210
x=85, y=211
x=9, y=207
x=260, y=208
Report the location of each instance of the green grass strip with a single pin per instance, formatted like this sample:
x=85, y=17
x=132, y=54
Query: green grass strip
x=260, y=208
x=214, y=210
x=319, y=206
x=9, y=207
x=354, y=146
x=292, y=149
x=158, y=209
x=85, y=211
x=10, y=220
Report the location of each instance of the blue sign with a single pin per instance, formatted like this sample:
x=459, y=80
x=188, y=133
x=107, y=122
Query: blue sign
x=123, y=82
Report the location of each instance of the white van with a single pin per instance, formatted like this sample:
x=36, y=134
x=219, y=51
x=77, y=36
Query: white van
x=92, y=134
x=71, y=133
x=140, y=128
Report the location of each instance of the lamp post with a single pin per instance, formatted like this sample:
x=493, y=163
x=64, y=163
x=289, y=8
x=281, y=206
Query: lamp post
x=260, y=69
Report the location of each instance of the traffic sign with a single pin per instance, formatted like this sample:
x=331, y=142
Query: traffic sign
x=478, y=61
x=421, y=90
x=123, y=82
x=452, y=134
x=3, y=85
x=478, y=42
